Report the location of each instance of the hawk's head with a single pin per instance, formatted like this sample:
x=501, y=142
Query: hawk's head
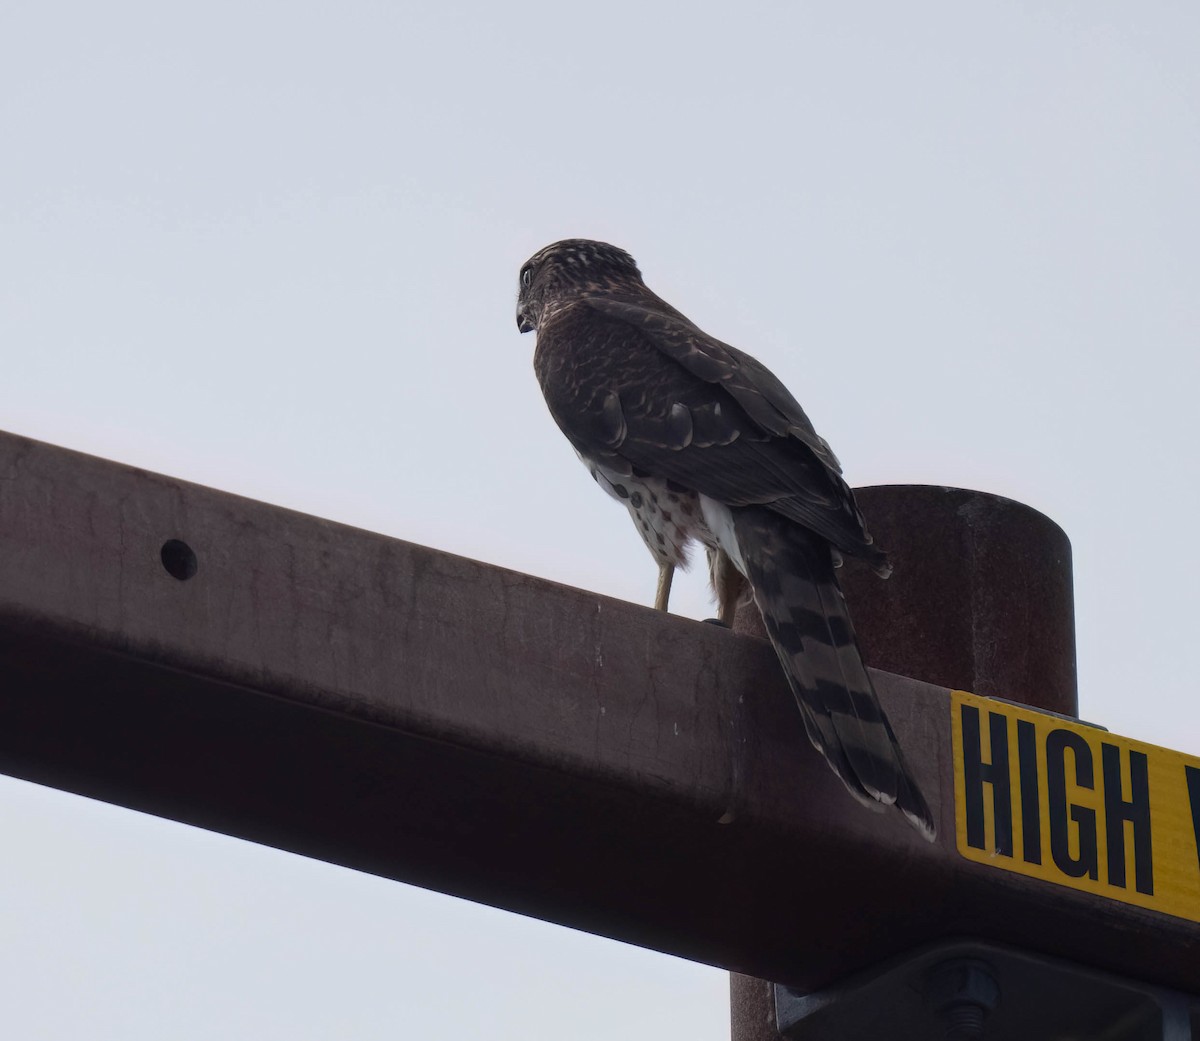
x=563, y=271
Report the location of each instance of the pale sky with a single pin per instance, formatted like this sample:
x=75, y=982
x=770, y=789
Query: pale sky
x=273, y=249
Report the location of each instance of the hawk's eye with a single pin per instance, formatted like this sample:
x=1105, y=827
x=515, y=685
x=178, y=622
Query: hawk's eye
x=526, y=276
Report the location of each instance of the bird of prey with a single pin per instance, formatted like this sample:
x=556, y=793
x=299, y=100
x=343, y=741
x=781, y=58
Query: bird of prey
x=700, y=442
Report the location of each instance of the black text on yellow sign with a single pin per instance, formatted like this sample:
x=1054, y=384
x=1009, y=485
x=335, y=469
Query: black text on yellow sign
x=1075, y=805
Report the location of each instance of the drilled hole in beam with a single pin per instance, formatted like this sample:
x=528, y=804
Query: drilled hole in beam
x=179, y=559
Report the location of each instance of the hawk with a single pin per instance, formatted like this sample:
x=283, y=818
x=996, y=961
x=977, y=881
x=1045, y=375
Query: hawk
x=702, y=443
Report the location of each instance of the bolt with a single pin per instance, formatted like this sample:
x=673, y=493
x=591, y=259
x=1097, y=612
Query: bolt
x=962, y=991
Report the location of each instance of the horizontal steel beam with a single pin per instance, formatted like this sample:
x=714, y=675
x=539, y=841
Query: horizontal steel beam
x=424, y=717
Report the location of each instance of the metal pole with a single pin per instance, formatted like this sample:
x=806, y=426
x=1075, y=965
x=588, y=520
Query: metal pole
x=980, y=600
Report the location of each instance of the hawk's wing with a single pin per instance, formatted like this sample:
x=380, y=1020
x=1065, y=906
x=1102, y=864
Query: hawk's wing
x=658, y=394
x=767, y=402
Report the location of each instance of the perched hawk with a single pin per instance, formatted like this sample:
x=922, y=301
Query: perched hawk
x=701, y=442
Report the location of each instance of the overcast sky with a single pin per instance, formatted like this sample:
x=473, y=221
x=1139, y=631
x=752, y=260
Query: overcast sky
x=273, y=248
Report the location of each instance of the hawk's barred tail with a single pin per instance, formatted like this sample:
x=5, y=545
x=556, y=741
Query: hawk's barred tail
x=791, y=573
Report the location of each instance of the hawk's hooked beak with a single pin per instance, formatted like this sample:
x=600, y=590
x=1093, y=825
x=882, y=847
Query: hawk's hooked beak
x=524, y=323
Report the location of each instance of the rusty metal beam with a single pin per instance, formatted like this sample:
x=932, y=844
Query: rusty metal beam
x=428, y=718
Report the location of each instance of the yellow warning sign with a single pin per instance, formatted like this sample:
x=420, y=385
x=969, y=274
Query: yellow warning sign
x=1075, y=805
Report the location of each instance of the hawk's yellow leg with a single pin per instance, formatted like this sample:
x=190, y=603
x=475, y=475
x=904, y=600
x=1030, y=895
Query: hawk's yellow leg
x=666, y=572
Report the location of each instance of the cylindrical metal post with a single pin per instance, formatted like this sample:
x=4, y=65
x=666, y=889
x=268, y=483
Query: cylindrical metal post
x=980, y=600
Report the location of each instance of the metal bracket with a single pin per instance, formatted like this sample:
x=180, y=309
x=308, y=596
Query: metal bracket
x=969, y=989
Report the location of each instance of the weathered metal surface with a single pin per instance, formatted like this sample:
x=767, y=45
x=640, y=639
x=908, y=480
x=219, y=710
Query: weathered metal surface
x=752, y=1012
x=424, y=717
